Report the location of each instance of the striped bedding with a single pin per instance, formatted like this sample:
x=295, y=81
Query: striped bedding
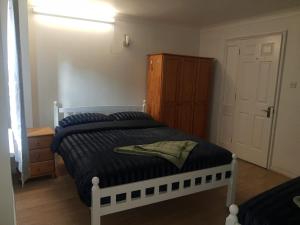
x=273, y=207
x=87, y=151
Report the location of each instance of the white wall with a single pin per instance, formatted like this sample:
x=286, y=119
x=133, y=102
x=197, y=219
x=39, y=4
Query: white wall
x=83, y=67
x=7, y=214
x=87, y=66
x=286, y=153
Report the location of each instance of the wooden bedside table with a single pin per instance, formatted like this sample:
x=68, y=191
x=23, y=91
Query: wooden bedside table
x=41, y=157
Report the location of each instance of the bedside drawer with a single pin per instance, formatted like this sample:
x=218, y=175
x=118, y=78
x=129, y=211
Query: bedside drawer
x=41, y=168
x=40, y=155
x=40, y=142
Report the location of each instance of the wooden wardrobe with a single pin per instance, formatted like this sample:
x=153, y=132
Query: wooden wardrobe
x=178, y=91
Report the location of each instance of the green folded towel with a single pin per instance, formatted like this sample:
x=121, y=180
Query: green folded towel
x=175, y=152
x=296, y=200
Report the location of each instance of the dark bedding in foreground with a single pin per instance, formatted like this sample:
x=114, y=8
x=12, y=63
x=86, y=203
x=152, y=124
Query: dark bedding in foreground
x=87, y=151
x=274, y=207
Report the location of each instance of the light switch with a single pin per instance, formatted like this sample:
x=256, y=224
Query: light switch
x=293, y=84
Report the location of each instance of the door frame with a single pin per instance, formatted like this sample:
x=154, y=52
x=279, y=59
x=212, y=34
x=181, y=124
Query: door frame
x=278, y=87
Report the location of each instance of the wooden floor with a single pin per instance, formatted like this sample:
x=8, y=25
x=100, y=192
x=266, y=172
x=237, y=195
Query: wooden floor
x=49, y=201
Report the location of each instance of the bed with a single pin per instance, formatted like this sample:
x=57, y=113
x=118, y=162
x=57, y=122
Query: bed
x=110, y=182
x=273, y=207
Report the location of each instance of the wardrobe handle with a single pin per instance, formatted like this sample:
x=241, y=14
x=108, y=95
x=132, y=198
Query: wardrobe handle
x=151, y=65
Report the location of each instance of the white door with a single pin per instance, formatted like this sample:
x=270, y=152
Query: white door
x=228, y=97
x=255, y=88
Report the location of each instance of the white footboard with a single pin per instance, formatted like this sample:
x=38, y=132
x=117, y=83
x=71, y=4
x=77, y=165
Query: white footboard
x=127, y=196
x=232, y=219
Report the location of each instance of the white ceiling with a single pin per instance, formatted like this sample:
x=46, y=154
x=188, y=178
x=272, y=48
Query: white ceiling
x=200, y=12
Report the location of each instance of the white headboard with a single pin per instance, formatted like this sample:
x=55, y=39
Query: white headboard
x=60, y=112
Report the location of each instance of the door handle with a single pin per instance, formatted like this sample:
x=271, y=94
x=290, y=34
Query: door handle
x=269, y=110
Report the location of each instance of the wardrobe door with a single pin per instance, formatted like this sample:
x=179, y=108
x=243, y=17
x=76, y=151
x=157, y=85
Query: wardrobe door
x=185, y=94
x=171, y=69
x=202, y=97
x=154, y=85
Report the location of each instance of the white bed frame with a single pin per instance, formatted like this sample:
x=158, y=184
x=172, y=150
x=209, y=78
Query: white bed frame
x=152, y=190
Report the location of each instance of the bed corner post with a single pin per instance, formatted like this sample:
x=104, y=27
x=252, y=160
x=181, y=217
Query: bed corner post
x=144, y=105
x=232, y=219
x=95, y=210
x=56, y=113
x=232, y=183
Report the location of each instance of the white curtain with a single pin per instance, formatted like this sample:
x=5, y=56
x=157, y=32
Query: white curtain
x=16, y=90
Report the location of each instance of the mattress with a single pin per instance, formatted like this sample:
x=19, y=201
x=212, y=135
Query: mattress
x=87, y=151
x=273, y=207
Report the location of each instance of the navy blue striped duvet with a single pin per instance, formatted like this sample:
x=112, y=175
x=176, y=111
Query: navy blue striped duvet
x=87, y=151
x=273, y=207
